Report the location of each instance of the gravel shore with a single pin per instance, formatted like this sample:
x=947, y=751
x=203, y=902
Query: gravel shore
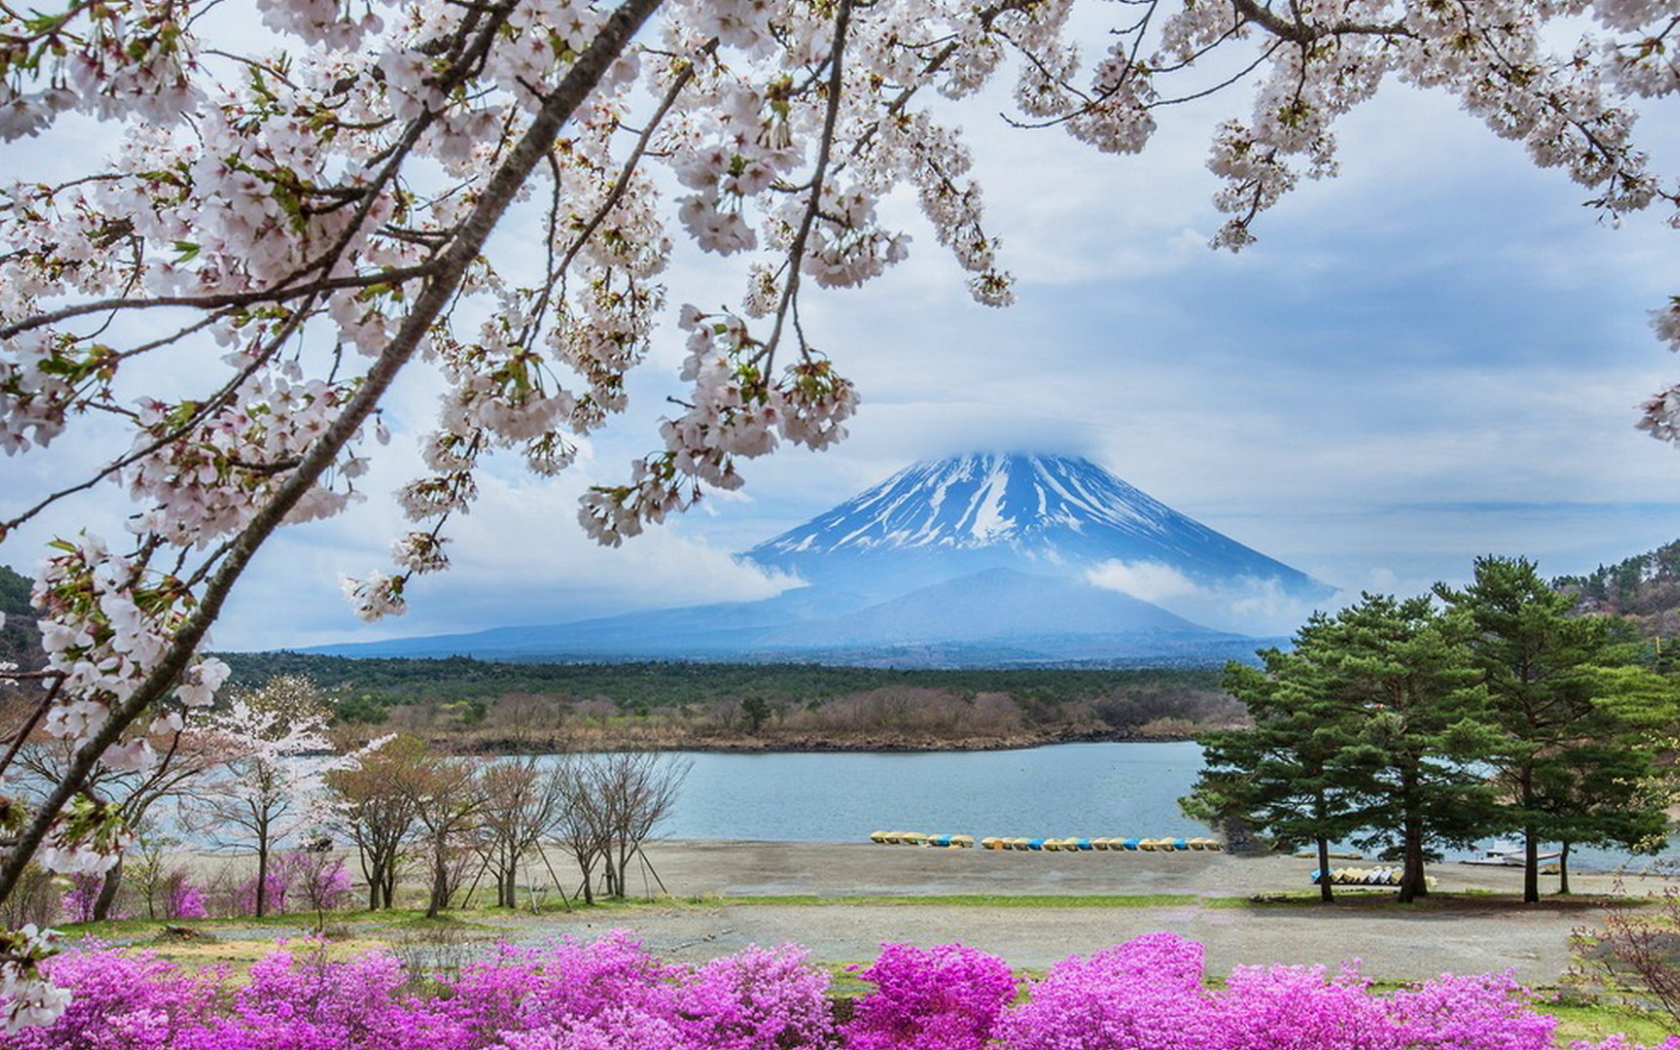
x=1391, y=943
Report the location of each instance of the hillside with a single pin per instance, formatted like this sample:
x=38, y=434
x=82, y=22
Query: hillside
x=20, y=639
x=1644, y=589
x=471, y=705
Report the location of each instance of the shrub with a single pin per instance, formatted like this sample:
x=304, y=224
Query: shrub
x=612, y=995
x=944, y=998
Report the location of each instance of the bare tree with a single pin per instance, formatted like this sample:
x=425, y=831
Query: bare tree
x=185, y=758
x=524, y=803
x=371, y=801
x=613, y=802
x=449, y=804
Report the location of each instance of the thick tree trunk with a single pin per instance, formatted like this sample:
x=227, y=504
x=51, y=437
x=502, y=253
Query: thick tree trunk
x=1531, y=841
x=108, y=891
x=440, y=879
x=375, y=874
x=1412, y=884
x=1531, y=865
x=588, y=887
x=1326, y=893
x=262, y=879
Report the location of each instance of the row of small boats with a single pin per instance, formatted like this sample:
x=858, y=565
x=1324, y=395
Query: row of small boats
x=1116, y=845
x=1360, y=876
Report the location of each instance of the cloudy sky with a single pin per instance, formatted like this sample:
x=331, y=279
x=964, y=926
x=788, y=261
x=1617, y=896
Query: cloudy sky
x=1435, y=356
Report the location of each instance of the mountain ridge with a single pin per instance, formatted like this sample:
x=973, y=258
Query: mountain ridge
x=984, y=560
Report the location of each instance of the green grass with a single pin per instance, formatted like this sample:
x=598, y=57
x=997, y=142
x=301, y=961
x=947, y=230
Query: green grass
x=1595, y=1021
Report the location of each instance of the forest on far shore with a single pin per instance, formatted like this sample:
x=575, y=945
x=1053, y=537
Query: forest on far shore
x=461, y=704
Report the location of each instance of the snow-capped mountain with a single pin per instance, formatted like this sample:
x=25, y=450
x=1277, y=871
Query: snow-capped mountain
x=1051, y=515
x=980, y=560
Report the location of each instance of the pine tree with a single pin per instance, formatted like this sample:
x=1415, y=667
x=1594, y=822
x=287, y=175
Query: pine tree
x=1568, y=761
x=1284, y=775
x=1419, y=723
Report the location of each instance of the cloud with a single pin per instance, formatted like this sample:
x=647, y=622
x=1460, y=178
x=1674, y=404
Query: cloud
x=1244, y=605
x=1439, y=329
x=1152, y=581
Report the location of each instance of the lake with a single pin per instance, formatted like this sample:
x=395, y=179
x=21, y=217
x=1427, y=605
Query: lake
x=1061, y=791
x=1069, y=790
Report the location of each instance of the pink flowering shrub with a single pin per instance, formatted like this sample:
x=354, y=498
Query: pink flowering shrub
x=756, y=1000
x=614, y=1028
x=186, y=899
x=944, y=998
x=276, y=889
x=302, y=1001
x=124, y=1001
x=1145, y=994
x=612, y=995
x=78, y=902
x=1297, y=1008
x=1487, y=1012
x=523, y=989
x=297, y=880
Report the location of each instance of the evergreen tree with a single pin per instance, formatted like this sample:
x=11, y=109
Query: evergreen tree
x=1283, y=775
x=1568, y=764
x=1419, y=723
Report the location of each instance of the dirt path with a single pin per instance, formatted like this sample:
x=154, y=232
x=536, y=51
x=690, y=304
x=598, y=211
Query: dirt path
x=1391, y=944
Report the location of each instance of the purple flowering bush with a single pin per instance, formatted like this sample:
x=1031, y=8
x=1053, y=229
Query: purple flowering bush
x=125, y=1001
x=944, y=998
x=1148, y=994
x=185, y=899
x=1145, y=994
x=78, y=901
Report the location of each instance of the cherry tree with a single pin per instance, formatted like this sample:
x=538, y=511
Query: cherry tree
x=273, y=753
x=293, y=215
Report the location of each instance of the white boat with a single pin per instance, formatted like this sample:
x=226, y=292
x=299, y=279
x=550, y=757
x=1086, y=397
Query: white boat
x=1508, y=855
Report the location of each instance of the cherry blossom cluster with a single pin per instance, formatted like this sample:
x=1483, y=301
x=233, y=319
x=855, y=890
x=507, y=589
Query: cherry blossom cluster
x=29, y=1001
x=282, y=230
x=738, y=411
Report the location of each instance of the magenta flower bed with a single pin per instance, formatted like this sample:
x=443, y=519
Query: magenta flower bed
x=1147, y=994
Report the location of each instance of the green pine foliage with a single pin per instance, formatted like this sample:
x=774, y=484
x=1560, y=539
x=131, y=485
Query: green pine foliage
x=1410, y=724
x=1566, y=701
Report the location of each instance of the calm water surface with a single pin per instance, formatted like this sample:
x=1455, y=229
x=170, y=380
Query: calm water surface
x=1083, y=790
x=1061, y=791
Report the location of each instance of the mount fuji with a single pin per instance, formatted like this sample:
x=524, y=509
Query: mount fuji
x=979, y=560
x=1055, y=515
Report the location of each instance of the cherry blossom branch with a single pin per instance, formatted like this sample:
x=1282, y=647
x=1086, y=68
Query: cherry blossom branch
x=1299, y=31
x=34, y=717
x=209, y=406
x=221, y=300
x=637, y=152
x=557, y=107
x=825, y=144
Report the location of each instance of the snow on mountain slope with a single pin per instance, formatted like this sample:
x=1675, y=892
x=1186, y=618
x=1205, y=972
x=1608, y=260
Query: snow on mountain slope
x=981, y=560
x=1037, y=513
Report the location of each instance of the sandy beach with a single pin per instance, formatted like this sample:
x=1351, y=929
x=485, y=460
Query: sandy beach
x=736, y=883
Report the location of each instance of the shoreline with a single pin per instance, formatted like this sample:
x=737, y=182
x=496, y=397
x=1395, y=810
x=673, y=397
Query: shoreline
x=808, y=746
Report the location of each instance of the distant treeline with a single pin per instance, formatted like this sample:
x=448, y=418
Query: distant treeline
x=20, y=639
x=1644, y=589
x=468, y=704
